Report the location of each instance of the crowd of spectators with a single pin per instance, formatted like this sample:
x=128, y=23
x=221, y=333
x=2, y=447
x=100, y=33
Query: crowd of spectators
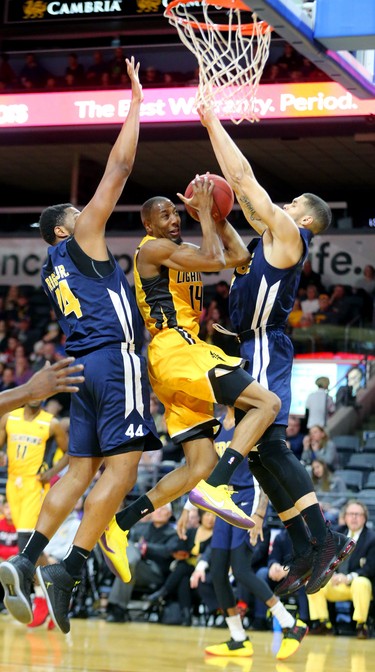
x=105, y=71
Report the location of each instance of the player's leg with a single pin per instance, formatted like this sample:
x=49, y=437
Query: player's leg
x=236, y=388
x=293, y=630
x=58, y=580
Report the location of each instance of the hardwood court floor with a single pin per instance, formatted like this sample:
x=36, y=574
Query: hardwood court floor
x=97, y=646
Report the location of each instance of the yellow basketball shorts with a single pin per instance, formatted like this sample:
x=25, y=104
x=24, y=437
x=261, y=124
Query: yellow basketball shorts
x=181, y=369
x=25, y=497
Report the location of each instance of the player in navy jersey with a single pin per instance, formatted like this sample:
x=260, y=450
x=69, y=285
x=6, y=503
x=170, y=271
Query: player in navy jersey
x=262, y=295
x=111, y=422
x=232, y=547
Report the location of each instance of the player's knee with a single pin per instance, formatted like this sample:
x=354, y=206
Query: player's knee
x=270, y=406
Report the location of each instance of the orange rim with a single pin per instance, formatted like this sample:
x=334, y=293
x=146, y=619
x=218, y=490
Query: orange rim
x=246, y=28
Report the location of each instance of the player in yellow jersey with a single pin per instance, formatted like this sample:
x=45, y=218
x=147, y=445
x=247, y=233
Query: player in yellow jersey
x=26, y=432
x=187, y=374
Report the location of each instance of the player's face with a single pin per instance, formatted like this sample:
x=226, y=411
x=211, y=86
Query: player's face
x=165, y=222
x=297, y=209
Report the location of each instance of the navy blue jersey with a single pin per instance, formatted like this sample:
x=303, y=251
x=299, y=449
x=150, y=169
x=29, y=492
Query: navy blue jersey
x=262, y=295
x=79, y=301
x=260, y=301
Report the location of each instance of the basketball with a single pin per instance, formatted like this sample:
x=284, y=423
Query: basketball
x=223, y=198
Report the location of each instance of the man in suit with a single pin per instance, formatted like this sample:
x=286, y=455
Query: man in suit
x=355, y=580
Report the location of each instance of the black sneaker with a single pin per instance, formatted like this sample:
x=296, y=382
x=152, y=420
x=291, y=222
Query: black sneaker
x=17, y=577
x=57, y=586
x=300, y=570
x=327, y=558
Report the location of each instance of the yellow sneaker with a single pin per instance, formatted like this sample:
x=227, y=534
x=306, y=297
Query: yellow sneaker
x=292, y=638
x=114, y=542
x=218, y=500
x=232, y=648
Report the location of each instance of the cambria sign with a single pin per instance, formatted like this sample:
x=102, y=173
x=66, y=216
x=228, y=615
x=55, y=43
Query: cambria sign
x=35, y=11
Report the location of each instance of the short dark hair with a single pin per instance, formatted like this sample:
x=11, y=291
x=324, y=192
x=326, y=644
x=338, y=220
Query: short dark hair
x=148, y=205
x=52, y=216
x=321, y=211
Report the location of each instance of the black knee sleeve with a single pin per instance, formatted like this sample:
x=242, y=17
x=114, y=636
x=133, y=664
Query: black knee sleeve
x=242, y=572
x=281, y=462
x=278, y=497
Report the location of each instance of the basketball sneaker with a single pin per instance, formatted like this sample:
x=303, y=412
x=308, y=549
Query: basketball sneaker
x=218, y=500
x=113, y=543
x=300, y=570
x=40, y=612
x=57, y=586
x=292, y=638
x=327, y=558
x=232, y=648
x=17, y=577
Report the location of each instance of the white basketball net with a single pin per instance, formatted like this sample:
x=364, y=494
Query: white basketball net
x=230, y=62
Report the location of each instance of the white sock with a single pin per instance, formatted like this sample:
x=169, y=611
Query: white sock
x=285, y=619
x=38, y=591
x=236, y=628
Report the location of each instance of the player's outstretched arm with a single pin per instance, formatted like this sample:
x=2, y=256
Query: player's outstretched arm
x=48, y=381
x=257, y=206
x=90, y=225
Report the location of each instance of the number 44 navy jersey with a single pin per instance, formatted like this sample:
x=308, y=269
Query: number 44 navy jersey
x=93, y=312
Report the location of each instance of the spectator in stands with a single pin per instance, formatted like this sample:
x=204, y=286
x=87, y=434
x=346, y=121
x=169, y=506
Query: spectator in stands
x=186, y=557
x=10, y=351
x=325, y=314
x=346, y=394
x=22, y=370
x=310, y=304
x=8, y=534
x=97, y=69
x=330, y=490
x=151, y=77
x=33, y=75
x=340, y=305
x=294, y=435
x=367, y=281
x=11, y=297
x=7, y=75
x=318, y=446
x=355, y=580
x=308, y=277
x=319, y=404
x=117, y=68
x=289, y=61
x=150, y=552
x=3, y=335
x=7, y=382
x=273, y=75
x=297, y=318
x=74, y=72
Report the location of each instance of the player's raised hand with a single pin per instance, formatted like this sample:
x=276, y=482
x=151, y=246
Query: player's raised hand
x=55, y=379
x=133, y=72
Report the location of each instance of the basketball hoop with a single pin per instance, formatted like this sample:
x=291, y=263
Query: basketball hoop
x=231, y=56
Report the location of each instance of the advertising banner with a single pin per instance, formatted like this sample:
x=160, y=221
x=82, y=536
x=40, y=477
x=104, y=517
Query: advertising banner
x=174, y=105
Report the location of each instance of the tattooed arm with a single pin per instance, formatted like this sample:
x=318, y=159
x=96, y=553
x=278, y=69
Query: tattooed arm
x=251, y=214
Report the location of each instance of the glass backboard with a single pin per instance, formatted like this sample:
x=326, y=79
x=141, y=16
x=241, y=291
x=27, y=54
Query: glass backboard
x=338, y=36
